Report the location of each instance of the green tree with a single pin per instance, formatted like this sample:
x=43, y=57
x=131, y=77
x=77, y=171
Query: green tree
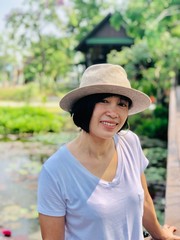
x=7, y=64
x=84, y=15
x=46, y=48
x=48, y=60
x=153, y=61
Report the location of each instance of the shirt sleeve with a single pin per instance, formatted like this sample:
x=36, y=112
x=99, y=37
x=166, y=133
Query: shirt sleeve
x=50, y=198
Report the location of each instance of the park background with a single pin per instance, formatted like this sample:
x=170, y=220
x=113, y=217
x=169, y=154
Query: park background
x=39, y=63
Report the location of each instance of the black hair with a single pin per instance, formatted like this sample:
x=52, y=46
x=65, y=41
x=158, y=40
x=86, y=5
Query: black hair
x=82, y=109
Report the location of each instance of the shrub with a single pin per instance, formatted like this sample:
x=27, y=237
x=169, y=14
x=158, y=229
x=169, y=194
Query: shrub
x=19, y=93
x=151, y=123
x=17, y=120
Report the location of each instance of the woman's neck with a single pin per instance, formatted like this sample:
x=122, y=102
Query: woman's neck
x=93, y=146
x=99, y=156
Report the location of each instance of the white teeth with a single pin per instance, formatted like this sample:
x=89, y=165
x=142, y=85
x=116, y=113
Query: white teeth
x=109, y=124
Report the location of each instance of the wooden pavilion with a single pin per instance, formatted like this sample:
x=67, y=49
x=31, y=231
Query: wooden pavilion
x=101, y=40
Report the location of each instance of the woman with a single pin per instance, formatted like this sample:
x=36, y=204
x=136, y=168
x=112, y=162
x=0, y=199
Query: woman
x=94, y=186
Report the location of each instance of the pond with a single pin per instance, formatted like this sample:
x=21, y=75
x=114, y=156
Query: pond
x=20, y=164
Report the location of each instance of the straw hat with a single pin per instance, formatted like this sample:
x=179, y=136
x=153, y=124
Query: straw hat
x=106, y=78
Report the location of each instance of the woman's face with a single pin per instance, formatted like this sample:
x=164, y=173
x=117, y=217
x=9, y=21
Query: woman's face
x=108, y=116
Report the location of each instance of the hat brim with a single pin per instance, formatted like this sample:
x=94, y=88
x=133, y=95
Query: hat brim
x=140, y=101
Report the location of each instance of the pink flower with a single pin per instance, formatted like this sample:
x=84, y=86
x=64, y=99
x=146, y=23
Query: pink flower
x=6, y=232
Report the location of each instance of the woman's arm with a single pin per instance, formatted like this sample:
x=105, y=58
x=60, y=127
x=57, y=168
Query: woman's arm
x=150, y=221
x=52, y=228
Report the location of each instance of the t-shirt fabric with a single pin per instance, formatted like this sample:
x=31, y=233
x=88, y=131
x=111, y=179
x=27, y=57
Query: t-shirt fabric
x=94, y=208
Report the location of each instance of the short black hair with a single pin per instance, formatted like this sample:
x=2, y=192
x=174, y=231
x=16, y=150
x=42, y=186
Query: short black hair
x=82, y=109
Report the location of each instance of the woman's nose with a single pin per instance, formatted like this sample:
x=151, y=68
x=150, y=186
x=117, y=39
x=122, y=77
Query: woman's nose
x=112, y=113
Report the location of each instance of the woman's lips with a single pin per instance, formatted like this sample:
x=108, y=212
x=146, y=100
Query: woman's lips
x=109, y=124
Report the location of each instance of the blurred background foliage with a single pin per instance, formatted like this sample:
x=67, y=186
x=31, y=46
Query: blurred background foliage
x=28, y=119
x=38, y=61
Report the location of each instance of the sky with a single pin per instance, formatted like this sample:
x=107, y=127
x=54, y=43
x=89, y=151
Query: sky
x=6, y=6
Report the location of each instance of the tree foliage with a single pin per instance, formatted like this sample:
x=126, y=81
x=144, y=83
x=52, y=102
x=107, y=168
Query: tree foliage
x=84, y=16
x=49, y=58
x=47, y=48
x=153, y=61
x=45, y=35
x=48, y=37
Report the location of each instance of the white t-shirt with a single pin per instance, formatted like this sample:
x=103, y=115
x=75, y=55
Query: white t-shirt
x=96, y=209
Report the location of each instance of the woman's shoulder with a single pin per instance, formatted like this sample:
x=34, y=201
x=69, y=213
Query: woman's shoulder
x=128, y=138
x=56, y=158
x=127, y=135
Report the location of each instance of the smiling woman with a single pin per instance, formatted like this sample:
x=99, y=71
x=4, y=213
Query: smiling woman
x=94, y=186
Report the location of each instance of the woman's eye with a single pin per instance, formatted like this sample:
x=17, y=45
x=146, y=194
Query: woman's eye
x=123, y=104
x=104, y=101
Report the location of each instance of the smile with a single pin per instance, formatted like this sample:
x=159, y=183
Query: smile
x=109, y=124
